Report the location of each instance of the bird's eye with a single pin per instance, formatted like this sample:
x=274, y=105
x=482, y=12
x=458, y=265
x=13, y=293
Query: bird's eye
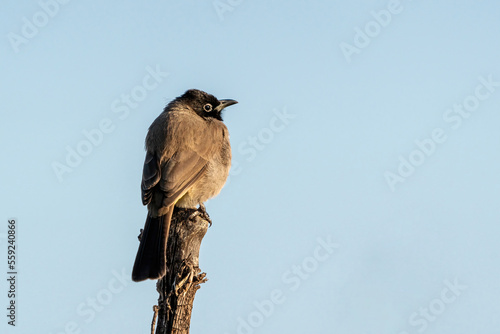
x=207, y=107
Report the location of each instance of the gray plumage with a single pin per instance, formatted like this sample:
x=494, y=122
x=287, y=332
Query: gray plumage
x=188, y=157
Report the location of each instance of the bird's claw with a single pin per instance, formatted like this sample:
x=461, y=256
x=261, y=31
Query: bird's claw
x=202, y=212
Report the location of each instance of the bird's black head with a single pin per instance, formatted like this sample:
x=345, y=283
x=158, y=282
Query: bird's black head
x=204, y=104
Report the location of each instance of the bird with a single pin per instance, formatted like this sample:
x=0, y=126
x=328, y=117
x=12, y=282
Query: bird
x=188, y=157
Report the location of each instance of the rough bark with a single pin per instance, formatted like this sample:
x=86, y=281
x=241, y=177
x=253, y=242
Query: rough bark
x=183, y=278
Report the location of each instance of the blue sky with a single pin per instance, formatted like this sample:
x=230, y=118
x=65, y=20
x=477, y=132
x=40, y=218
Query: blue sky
x=363, y=194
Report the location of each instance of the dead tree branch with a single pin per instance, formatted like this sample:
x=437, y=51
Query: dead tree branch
x=183, y=278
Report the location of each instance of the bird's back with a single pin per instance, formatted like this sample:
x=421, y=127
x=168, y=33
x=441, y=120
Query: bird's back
x=180, y=131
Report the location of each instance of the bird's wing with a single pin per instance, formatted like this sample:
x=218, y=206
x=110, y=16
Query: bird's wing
x=150, y=176
x=180, y=172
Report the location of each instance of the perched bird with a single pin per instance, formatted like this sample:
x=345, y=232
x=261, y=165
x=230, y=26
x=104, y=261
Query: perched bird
x=188, y=157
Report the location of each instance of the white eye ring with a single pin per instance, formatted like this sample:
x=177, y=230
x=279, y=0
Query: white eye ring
x=207, y=107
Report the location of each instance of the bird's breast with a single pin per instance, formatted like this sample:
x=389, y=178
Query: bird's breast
x=214, y=177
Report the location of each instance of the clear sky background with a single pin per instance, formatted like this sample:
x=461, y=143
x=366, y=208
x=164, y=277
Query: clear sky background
x=364, y=193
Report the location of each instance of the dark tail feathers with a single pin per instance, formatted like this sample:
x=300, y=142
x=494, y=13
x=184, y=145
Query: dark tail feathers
x=150, y=261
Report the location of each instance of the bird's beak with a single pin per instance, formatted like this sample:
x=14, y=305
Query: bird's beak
x=225, y=103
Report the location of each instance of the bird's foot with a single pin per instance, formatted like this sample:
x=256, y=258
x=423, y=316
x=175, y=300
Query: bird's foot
x=202, y=212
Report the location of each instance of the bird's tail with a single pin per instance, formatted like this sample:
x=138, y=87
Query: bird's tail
x=150, y=261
